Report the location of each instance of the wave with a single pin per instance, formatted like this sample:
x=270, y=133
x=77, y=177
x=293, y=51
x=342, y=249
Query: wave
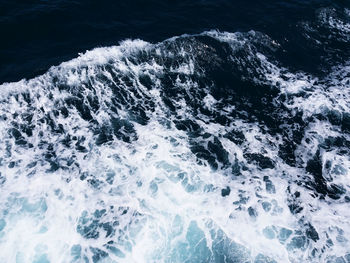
x=201, y=148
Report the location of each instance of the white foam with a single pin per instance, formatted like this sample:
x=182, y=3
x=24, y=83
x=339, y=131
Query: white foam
x=157, y=178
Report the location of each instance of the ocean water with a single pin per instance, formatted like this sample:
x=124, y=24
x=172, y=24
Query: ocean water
x=175, y=131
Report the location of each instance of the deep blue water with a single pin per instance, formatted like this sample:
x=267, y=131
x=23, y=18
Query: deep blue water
x=175, y=131
x=39, y=34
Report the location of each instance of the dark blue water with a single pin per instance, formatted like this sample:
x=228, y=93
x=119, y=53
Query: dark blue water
x=39, y=34
x=175, y=131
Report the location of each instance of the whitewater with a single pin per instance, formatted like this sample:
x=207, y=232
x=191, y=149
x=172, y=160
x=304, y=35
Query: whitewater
x=200, y=148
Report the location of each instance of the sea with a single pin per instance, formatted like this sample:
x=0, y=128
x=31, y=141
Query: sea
x=175, y=131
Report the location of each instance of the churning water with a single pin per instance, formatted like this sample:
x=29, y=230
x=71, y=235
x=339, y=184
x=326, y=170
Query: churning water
x=199, y=148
